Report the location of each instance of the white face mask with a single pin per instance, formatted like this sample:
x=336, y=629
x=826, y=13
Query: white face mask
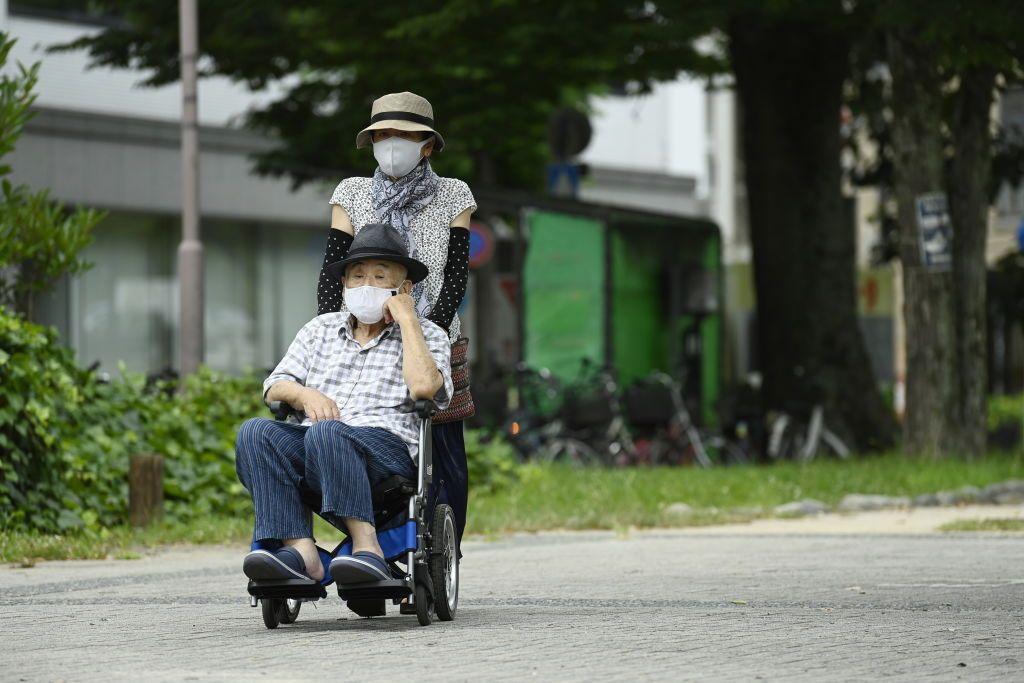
x=366, y=303
x=397, y=156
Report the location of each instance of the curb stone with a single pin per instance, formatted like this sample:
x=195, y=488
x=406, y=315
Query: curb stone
x=860, y=502
x=1010, y=492
x=801, y=508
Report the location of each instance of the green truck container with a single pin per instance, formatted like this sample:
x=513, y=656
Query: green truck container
x=638, y=291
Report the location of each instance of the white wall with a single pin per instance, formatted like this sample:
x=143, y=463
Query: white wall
x=64, y=82
x=658, y=133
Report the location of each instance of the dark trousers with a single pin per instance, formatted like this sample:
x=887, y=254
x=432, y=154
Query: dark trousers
x=451, y=473
x=292, y=471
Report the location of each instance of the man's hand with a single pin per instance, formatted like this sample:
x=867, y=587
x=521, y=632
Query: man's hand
x=400, y=308
x=316, y=406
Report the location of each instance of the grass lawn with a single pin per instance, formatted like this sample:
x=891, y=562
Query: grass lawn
x=568, y=498
x=561, y=497
x=994, y=524
x=128, y=543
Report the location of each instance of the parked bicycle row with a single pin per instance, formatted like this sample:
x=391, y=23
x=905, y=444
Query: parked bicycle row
x=592, y=420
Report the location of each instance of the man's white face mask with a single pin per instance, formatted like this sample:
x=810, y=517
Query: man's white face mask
x=397, y=156
x=366, y=303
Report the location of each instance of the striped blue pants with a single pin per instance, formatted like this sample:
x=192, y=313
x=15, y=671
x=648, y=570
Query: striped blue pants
x=292, y=471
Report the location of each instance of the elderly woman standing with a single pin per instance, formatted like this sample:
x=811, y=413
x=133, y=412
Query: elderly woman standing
x=433, y=214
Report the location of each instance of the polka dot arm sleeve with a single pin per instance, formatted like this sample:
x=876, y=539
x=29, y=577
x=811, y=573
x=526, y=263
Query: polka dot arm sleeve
x=328, y=290
x=456, y=276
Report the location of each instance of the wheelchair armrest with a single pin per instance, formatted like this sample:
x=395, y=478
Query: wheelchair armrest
x=423, y=407
x=281, y=410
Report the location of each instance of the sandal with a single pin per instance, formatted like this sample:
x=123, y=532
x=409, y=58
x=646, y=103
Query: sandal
x=360, y=567
x=286, y=563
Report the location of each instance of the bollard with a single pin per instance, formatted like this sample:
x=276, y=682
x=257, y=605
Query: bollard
x=145, y=489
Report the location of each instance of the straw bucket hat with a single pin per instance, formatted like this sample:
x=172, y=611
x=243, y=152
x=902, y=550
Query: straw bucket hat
x=401, y=111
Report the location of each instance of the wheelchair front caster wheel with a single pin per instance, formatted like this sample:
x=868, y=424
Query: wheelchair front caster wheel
x=279, y=611
x=271, y=612
x=423, y=606
x=289, y=611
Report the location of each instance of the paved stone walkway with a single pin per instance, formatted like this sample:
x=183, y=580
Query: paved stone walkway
x=660, y=605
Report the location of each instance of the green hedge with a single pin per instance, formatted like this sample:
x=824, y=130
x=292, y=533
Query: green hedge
x=67, y=437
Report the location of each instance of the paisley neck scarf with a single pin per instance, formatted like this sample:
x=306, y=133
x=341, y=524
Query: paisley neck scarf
x=396, y=203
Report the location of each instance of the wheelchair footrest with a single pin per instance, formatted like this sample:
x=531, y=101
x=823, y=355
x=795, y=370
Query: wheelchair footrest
x=394, y=589
x=287, y=588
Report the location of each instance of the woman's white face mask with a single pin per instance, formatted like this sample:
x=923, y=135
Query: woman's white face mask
x=397, y=156
x=366, y=303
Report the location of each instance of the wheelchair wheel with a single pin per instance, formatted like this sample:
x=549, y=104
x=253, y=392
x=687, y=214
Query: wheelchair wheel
x=271, y=608
x=423, y=606
x=444, y=563
x=279, y=611
x=289, y=611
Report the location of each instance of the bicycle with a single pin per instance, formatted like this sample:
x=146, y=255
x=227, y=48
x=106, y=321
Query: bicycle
x=594, y=429
x=791, y=439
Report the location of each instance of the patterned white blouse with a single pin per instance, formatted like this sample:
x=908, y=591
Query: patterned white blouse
x=432, y=232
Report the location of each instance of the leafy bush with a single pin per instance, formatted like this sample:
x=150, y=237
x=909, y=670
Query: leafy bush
x=493, y=465
x=67, y=437
x=40, y=240
x=1005, y=409
x=1005, y=422
x=195, y=432
x=39, y=399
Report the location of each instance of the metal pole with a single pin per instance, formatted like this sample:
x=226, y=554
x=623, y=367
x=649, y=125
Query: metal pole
x=190, y=251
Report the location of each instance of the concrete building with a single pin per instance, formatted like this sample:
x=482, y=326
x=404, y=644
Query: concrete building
x=98, y=140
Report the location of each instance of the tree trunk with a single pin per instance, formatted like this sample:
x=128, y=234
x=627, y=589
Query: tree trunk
x=789, y=79
x=968, y=183
x=931, y=418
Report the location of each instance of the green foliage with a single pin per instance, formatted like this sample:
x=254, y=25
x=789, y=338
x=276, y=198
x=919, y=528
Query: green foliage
x=1005, y=409
x=195, y=432
x=122, y=542
x=563, y=497
x=493, y=71
x=990, y=524
x=39, y=239
x=39, y=398
x=68, y=437
x=493, y=465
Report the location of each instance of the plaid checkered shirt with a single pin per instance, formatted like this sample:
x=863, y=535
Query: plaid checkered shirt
x=365, y=382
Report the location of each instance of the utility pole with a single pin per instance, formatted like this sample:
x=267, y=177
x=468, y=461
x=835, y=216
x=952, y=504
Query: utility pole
x=190, y=251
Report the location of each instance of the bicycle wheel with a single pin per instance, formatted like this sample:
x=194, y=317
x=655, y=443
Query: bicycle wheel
x=724, y=452
x=834, y=444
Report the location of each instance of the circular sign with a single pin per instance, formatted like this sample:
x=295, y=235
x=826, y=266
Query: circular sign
x=481, y=244
x=569, y=132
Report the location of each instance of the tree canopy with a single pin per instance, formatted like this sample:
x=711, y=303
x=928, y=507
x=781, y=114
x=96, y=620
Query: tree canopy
x=494, y=72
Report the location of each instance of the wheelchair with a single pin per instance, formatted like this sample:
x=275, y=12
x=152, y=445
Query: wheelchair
x=419, y=543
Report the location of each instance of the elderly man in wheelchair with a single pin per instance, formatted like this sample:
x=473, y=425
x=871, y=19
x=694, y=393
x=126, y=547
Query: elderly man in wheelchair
x=364, y=383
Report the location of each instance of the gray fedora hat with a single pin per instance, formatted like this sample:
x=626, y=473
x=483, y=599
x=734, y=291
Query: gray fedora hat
x=380, y=242
x=401, y=111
